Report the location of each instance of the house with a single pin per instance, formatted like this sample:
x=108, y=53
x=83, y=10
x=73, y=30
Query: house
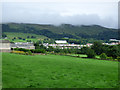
x=5, y=46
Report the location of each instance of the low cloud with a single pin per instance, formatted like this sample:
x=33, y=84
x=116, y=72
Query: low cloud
x=55, y=13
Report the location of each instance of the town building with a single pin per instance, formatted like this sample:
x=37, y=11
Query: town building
x=61, y=42
x=5, y=46
x=25, y=45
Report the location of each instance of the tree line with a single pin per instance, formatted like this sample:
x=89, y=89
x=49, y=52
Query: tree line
x=104, y=51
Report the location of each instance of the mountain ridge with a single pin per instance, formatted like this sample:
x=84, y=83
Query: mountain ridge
x=63, y=30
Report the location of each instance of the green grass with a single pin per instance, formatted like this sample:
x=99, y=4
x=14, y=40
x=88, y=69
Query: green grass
x=55, y=71
x=80, y=55
x=0, y=71
x=84, y=56
x=24, y=36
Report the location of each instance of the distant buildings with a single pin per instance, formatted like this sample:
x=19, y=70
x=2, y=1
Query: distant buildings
x=5, y=46
x=25, y=45
x=61, y=42
x=115, y=40
x=113, y=43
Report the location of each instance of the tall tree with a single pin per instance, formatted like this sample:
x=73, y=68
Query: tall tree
x=97, y=47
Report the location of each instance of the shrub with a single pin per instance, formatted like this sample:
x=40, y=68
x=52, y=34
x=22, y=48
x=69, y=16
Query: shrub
x=90, y=53
x=118, y=58
x=21, y=49
x=110, y=58
x=19, y=52
x=103, y=56
x=39, y=51
x=32, y=50
x=29, y=53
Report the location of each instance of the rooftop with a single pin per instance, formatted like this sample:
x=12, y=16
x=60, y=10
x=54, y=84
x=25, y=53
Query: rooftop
x=60, y=41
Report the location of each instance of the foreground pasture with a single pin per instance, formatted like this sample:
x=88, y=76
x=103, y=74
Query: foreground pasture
x=54, y=71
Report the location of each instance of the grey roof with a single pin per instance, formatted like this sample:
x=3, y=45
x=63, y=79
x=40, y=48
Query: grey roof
x=4, y=41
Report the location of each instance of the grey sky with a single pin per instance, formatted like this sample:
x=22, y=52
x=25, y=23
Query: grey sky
x=76, y=13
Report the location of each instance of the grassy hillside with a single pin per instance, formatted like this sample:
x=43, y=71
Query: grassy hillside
x=54, y=71
x=64, y=30
x=12, y=35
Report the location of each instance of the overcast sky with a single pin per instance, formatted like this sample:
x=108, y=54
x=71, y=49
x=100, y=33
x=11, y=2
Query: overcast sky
x=76, y=12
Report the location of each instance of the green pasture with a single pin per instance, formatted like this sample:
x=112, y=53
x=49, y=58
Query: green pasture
x=0, y=71
x=24, y=36
x=55, y=71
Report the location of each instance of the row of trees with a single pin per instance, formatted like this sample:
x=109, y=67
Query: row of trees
x=110, y=50
x=96, y=49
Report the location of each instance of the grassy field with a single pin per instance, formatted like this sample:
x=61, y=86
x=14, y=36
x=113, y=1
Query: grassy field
x=23, y=35
x=0, y=71
x=55, y=71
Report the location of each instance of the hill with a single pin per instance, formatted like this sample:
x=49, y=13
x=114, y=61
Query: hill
x=64, y=30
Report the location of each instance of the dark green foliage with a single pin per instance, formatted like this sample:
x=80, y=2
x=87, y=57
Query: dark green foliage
x=33, y=36
x=4, y=35
x=84, y=50
x=113, y=51
x=42, y=47
x=64, y=30
x=90, y=53
x=12, y=49
x=28, y=40
x=118, y=58
x=50, y=49
x=39, y=51
x=78, y=51
x=14, y=38
x=21, y=49
x=32, y=50
x=28, y=36
x=97, y=47
x=106, y=35
x=19, y=37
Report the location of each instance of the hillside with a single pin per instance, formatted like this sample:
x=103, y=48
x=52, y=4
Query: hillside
x=64, y=30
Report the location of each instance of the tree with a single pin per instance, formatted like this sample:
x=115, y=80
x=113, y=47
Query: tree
x=37, y=45
x=19, y=38
x=84, y=50
x=113, y=51
x=103, y=56
x=50, y=49
x=4, y=35
x=90, y=53
x=97, y=47
x=28, y=36
x=33, y=36
x=42, y=46
x=14, y=38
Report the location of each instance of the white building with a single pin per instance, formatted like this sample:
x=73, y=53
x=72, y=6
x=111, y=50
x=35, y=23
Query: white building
x=5, y=46
x=26, y=45
x=61, y=42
